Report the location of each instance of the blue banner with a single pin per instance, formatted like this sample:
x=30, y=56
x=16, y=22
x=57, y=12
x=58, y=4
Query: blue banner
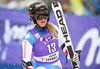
x=84, y=32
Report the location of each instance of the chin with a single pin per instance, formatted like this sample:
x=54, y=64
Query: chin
x=43, y=25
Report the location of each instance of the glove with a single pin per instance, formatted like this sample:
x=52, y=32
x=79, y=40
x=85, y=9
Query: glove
x=27, y=65
x=76, y=57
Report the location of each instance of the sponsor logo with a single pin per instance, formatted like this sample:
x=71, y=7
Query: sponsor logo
x=93, y=35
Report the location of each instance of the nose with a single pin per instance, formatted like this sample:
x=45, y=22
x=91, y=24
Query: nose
x=43, y=19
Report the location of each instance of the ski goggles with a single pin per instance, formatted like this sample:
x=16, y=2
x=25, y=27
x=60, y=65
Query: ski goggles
x=39, y=17
x=42, y=14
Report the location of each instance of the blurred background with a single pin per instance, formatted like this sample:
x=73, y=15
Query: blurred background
x=83, y=20
x=77, y=7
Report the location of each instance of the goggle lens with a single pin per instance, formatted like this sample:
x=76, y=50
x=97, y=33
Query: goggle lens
x=39, y=17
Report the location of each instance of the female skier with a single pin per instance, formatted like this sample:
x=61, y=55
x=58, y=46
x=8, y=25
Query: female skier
x=43, y=40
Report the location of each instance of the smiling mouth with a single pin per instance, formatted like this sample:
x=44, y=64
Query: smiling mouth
x=43, y=22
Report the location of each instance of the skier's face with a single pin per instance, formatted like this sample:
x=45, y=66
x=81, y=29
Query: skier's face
x=42, y=22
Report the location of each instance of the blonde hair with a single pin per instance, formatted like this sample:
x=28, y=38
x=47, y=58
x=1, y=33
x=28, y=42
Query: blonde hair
x=52, y=30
